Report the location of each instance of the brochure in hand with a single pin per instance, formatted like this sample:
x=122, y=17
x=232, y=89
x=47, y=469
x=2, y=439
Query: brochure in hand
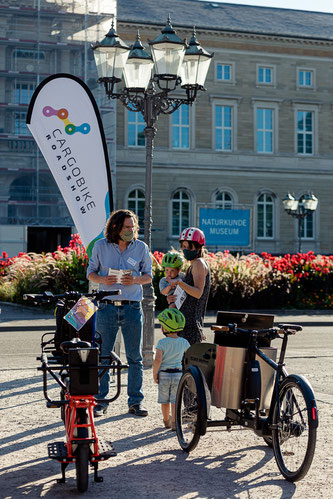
x=81, y=312
x=180, y=296
x=119, y=273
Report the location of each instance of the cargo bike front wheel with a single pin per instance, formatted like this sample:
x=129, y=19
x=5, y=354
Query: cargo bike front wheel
x=295, y=422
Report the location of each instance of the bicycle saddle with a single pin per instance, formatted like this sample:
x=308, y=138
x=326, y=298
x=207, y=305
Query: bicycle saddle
x=74, y=343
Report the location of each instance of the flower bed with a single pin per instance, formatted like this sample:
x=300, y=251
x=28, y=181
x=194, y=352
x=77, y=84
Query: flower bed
x=252, y=281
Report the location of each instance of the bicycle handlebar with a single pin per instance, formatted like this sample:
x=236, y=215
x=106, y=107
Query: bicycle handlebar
x=271, y=332
x=48, y=296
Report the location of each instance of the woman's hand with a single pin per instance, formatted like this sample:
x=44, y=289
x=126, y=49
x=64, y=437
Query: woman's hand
x=171, y=299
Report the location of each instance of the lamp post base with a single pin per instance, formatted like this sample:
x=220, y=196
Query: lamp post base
x=148, y=306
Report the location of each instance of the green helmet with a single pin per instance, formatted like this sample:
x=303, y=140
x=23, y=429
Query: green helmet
x=173, y=260
x=172, y=320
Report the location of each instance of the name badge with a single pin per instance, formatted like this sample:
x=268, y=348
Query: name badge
x=131, y=261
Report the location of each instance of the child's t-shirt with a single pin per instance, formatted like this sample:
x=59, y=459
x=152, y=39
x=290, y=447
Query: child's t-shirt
x=164, y=283
x=173, y=350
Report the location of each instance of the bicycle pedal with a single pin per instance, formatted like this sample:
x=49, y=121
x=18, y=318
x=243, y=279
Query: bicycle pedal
x=57, y=450
x=52, y=405
x=106, y=450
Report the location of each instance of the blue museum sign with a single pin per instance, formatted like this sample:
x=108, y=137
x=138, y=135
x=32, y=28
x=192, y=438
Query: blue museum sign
x=225, y=227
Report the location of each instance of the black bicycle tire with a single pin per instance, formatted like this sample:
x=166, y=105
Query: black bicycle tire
x=82, y=462
x=269, y=441
x=293, y=476
x=187, y=447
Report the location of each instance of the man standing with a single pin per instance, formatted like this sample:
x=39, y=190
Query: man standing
x=121, y=250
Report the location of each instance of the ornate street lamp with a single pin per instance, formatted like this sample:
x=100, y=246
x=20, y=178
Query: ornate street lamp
x=148, y=82
x=300, y=210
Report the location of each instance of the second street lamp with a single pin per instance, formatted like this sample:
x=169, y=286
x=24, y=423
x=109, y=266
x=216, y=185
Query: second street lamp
x=148, y=82
x=300, y=210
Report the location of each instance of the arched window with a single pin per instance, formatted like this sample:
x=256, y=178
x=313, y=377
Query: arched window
x=136, y=203
x=180, y=209
x=223, y=200
x=265, y=216
x=307, y=224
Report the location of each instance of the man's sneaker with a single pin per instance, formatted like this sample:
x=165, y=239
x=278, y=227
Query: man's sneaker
x=99, y=410
x=138, y=410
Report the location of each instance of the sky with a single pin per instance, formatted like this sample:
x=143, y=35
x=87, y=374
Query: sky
x=317, y=6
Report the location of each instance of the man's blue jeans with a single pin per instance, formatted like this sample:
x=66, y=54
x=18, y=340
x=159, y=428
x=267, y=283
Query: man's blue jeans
x=130, y=319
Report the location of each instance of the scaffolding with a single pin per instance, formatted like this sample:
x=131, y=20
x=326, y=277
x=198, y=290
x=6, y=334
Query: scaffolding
x=37, y=39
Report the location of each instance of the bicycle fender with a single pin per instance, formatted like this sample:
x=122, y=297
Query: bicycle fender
x=203, y=394
x=308, y=391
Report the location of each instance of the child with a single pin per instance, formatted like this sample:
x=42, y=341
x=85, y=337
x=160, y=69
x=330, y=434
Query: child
x=172, y=264
x=167, y=368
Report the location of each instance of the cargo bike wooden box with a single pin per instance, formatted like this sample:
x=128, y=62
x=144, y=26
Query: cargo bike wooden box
x=240, y=373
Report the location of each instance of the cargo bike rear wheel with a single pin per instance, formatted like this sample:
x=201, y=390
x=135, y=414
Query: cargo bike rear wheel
x=191, y=418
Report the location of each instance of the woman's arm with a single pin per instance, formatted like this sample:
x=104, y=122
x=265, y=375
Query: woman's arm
x=199, y=272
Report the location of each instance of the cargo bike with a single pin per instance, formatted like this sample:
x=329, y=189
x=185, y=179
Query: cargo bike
x=239, y=373
x=74, y=361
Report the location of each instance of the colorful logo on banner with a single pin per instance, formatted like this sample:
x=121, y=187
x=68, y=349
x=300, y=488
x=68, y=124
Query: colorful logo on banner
x=62, y=114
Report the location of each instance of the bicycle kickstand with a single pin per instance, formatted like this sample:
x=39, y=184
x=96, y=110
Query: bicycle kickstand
x=96, y=477
x=63, y=477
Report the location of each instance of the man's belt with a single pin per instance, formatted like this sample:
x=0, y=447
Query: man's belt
x=119, y=303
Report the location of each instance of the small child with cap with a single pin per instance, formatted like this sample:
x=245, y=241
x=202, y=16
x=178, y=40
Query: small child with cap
x=167, y=368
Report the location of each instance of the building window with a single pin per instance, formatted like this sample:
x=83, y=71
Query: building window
x=305, y=78
x=265, y=75
x=265, y=216
x=180, y=212
x=136, y=203
x=224, y=72
x=223, y=128
x=136, y=126
x=264, y=130
x=305, y=130
x=23, y=92
x=307, y=224
x=20, y=127
x=223, y=200
x=181, y=128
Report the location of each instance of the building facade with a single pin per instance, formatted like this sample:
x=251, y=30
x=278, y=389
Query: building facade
x=263, y=128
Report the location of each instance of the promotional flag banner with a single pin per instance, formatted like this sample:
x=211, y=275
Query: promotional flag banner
x=65, y=122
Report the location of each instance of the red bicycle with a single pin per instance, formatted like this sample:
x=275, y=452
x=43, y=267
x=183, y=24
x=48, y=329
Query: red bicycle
x=77, y=366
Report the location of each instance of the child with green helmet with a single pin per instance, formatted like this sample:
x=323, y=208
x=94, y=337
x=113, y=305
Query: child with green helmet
x=172, y=263
x=167, y=368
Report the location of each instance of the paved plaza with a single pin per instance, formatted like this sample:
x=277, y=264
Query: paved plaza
x=150, y=463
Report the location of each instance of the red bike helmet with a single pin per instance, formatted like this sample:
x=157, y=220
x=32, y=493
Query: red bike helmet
x=193, y=234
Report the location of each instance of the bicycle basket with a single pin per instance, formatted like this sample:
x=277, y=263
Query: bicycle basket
x=243, y=320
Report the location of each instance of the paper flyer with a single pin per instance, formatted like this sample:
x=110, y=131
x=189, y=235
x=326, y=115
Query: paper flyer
x=119, y=273
x=80, y=313
x=180, y=296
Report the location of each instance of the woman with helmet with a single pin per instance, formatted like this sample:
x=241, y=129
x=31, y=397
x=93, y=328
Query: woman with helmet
x=196, y=284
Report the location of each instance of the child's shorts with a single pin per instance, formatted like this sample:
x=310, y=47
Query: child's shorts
x=167, y=387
